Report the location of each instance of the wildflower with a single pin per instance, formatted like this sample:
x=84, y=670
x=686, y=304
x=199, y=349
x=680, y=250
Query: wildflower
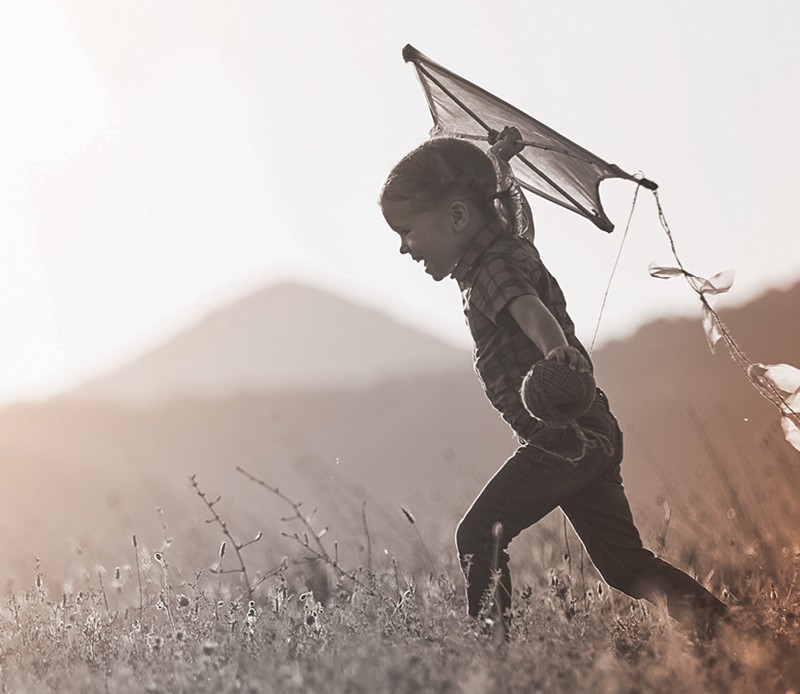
x=159, y=557
x=183, y=601
x=209, y=647
x=222, y=549
x=180, y=635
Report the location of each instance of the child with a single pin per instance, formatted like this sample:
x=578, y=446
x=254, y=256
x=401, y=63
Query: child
x=440, y=199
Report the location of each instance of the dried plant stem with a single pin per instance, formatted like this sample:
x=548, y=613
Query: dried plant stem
x=366, y=533
x=102, y=589
x=566, y=544
x=497, y=611
x=139, y=577
x=661, y=542
x=396, y=580
x=215, y=518
x=319, y=552
x=411, y=519
x=583, y=581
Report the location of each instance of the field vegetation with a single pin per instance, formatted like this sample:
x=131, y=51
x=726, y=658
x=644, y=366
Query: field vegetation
x=319, y=620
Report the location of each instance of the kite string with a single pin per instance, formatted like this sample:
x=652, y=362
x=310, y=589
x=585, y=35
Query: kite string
x=614, y=268
x=765, y=388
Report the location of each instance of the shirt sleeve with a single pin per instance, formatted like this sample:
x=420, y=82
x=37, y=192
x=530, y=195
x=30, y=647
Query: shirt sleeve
x=498, y=281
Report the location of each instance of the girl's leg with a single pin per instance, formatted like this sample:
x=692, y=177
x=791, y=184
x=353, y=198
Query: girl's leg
x=528, y=486
x=602, y=518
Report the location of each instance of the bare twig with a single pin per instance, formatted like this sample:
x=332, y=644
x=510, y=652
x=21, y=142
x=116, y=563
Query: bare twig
x=138, y=575
x=237, y=547
x=319, y=552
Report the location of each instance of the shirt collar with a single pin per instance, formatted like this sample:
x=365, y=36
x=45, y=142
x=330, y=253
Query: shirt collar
x=482, y=241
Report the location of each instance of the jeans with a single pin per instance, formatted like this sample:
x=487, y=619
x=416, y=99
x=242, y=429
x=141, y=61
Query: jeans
x=543, y=474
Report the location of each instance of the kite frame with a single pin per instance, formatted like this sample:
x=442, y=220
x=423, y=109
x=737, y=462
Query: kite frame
x=597, y=216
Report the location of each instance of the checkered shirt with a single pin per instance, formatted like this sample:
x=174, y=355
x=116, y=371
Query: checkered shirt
x=496, y=268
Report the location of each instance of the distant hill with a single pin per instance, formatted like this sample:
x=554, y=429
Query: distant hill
x=84, y=472
x=284, y=337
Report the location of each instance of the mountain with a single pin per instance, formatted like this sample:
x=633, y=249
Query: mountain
x=83, y=474
x=284, y=337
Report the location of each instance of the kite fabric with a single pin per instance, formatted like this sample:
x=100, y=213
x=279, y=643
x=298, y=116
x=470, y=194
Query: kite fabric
x=550, y=166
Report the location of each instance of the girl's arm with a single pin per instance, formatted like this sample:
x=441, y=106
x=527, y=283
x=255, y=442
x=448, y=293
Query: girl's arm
x=536, y=321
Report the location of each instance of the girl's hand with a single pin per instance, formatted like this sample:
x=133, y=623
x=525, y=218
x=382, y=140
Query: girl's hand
x=570, y=357
x=508, y=144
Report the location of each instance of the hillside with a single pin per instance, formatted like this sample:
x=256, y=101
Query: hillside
x=82, y=475
x=284, y=337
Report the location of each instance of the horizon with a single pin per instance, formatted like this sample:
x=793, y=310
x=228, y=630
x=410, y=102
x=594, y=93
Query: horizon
x=62, y=387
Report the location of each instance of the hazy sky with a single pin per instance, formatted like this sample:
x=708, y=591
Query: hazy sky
x=160, y=158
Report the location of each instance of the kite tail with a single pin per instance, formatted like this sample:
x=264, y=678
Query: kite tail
x=781, y=390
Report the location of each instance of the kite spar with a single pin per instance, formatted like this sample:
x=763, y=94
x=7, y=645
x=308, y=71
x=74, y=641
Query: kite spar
x=557, y=169
x=551, y=166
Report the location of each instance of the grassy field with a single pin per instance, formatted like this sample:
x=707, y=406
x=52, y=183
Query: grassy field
x=310, y=624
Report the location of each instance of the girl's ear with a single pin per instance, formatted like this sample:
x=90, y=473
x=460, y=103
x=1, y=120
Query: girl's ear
x=459, y=215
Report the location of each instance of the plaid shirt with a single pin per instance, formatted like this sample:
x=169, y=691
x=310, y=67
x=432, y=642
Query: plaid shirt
x=496, y=268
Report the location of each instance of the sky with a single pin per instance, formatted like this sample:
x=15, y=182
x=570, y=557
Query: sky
x=159, y=159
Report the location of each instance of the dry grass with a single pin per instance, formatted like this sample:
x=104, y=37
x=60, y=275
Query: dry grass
x=164, y=624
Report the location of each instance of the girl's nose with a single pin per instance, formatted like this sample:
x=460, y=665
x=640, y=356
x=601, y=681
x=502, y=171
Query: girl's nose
x=404, y=249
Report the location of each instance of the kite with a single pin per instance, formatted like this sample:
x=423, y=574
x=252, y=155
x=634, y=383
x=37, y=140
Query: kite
x=551, y=166
x=561, y=171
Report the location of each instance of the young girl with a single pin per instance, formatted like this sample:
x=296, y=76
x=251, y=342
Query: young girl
x=443, y=202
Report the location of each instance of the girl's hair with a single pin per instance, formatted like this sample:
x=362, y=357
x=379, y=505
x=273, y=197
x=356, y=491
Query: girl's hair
x=440, y=167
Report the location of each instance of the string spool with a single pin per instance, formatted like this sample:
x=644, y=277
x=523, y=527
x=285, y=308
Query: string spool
x=555, y=393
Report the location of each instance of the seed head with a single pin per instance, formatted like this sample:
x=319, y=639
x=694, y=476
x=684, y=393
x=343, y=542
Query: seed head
x=408, y=515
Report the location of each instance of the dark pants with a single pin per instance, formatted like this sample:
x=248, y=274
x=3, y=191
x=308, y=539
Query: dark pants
x=590, y=492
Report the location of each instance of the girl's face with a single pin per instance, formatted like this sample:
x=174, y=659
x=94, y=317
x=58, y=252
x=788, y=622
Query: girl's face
x=430, y=235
